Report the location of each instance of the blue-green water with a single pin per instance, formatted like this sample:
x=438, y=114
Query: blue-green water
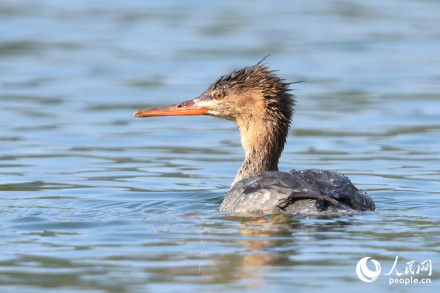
x=94, y=200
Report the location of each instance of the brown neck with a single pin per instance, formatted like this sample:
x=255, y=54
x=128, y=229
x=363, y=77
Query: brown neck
x=263, y=141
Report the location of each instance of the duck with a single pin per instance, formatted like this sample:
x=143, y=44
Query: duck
x=262, y=105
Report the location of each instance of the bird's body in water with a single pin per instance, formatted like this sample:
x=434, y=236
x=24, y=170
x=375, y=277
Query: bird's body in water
x=261, y=105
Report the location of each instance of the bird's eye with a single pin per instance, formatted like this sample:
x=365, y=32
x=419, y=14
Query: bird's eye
x=218, y=95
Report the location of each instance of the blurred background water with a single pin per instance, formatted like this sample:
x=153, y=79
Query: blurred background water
x=93, y=200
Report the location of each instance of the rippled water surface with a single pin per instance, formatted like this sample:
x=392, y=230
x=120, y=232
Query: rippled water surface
x=94, y=200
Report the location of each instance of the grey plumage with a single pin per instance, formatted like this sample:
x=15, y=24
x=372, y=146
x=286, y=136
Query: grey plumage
x=310, y=192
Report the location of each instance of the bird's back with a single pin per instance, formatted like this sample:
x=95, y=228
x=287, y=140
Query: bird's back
x=310, y=192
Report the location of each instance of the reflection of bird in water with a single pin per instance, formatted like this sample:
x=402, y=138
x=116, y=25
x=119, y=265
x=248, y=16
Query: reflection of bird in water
x=261, y=105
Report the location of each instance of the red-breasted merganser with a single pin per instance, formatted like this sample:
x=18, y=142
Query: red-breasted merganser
x=261, y=105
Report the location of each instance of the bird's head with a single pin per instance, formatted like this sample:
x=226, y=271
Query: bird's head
x=253, y=94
